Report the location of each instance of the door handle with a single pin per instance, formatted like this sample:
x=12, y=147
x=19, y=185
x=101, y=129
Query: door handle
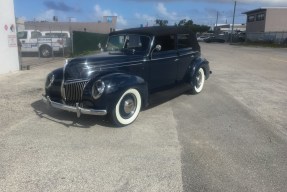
x=176, y=60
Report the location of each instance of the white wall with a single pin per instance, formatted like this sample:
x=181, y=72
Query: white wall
x=8, y=46
x=276, y=19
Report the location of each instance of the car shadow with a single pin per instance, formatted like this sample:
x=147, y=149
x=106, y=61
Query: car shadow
x=164, y=96
x=69, y=119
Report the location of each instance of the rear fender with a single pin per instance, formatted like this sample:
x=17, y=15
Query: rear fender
x=200, y=63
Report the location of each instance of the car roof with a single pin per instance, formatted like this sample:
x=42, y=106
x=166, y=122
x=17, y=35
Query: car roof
x=155, y=30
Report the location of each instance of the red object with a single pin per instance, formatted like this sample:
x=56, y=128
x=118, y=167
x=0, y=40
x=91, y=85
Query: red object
x=6, y=27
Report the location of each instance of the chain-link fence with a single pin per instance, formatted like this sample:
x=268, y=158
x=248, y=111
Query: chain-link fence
x=37, y=47
x=279, y=38
x=41, y=43
x=84, y=42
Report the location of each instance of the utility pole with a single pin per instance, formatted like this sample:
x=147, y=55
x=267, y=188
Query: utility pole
x=233, y=23
x=216, y=21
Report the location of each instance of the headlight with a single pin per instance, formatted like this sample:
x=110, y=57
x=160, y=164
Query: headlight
x=98, y=89
x=50, y=80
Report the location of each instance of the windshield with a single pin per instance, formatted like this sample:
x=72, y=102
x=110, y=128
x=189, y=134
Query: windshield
x=132, y=43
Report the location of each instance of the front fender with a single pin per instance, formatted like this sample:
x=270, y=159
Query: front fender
x=115, y=85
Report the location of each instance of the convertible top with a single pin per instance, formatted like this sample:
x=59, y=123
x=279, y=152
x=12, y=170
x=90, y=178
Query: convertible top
x=156, y=30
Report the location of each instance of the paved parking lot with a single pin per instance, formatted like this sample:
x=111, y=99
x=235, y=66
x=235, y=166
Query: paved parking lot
x=231, y=137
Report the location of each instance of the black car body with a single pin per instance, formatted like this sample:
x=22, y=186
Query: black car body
x=119, y=82
x=214, y=39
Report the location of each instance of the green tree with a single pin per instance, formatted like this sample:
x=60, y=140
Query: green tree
x=194, y=27
x=161, y=22
x=186, y=23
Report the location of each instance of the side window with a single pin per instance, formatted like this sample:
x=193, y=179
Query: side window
x=22, y=35
x=35, y=34
x=167, y=42
x=183, y=41
x=139, y=43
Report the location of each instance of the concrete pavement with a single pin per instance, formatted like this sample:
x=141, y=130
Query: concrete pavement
x=231, y=137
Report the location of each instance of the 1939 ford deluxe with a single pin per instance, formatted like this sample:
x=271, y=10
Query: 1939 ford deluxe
x=119, y=82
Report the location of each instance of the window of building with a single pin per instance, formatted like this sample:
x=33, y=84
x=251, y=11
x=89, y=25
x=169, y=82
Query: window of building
x=260, y=17
x=250, y=18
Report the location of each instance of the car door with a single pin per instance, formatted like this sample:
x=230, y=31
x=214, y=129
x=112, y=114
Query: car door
x=163, y=63
x=30, y=43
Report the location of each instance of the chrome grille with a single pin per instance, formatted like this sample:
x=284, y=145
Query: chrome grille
x=74, y=91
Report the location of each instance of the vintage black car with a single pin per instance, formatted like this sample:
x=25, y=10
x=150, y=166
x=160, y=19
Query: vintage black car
x=120, y=81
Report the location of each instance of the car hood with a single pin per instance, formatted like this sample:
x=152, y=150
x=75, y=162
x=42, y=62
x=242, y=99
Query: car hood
x=93, y=65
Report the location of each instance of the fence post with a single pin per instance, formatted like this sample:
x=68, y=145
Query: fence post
x=72, y=41
x=63, y=45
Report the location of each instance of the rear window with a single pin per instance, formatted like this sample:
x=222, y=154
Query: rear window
x=183, y=41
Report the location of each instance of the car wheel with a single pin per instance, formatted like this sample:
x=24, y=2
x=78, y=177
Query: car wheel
x=127, y=108
x=45, y=51
x=198, y=81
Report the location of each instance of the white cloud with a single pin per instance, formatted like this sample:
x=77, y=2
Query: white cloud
x=145, y=19
x=99, y=13
x=162, y=10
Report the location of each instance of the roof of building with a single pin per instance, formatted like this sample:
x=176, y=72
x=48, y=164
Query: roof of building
x=263, y=9
x=155, y=30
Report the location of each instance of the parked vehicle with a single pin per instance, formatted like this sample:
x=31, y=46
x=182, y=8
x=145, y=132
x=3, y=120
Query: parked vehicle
x=214, y=39
x=120, y=82
x=201, y=38
x=34, y=41
x=56, y=34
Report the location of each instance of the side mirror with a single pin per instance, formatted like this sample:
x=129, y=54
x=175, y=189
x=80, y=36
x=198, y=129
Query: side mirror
x=157, y=48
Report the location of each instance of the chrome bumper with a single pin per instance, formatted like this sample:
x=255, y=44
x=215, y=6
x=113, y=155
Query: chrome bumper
x=77, y=109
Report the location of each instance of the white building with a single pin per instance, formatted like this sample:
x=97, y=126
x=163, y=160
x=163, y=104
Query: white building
x=8, y=38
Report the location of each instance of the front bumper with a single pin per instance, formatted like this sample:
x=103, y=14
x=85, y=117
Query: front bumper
x=76, y=109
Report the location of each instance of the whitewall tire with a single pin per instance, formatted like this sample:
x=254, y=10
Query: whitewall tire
x=127, y=108
x=198, y=81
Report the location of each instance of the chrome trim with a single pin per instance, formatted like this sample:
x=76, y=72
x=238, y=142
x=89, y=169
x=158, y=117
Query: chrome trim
x=192, y=52
x=96, y=87
x=103, y=65
x=101, y=68
x=74, y=90
x=164, y=58
x=77, y=109
x=63, y=94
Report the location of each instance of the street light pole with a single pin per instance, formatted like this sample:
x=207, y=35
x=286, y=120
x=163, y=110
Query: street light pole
x=233, y=23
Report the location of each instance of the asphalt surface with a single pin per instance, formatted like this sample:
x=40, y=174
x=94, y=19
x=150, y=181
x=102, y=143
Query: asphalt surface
x=230, y=137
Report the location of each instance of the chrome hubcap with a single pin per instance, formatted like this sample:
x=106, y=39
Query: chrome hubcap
x=129, y=106
x=45, y=52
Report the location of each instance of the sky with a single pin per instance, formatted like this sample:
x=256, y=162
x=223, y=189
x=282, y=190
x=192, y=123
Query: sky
x=133, y=13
